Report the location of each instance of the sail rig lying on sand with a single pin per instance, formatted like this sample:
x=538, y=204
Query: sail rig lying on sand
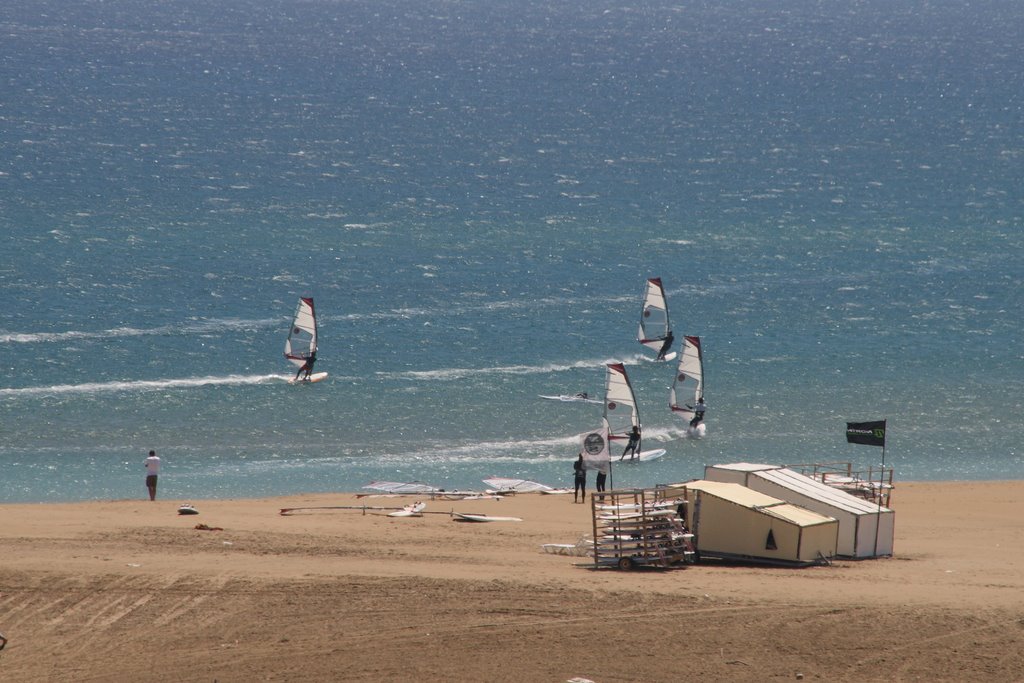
x=509, y=485
x=415, y=488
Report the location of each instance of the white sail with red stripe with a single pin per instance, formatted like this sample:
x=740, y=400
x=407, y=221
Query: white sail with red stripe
x=688, y=385
x=655, y=327
x=620, y=409
x=301, y=342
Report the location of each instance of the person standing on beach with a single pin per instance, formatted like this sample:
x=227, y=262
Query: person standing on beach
x=152, y=470
x=600, y=481
x=579, y=480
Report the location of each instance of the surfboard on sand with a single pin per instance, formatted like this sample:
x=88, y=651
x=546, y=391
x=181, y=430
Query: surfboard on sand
x=466, y=517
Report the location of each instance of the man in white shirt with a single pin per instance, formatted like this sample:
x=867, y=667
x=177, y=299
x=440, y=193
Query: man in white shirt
x=152, y=470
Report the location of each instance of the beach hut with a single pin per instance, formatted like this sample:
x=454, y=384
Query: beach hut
x=733, y=522
x=865, y=528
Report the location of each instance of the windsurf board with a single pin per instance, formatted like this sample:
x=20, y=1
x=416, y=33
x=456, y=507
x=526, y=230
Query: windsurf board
x=644, y=456
x=466, y=517
x=315, y=377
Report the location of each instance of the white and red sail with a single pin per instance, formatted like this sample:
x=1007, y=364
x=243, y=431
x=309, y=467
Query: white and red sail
x=688, y=385
x=655, y=328
x=620, y=411
x=301, y=343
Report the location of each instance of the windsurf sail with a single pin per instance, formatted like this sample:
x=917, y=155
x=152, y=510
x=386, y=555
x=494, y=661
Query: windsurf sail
x=688, y=385
x=620, y=409
x=510, y=485
x=301, y=343
x=655, y=328
x=401, y=487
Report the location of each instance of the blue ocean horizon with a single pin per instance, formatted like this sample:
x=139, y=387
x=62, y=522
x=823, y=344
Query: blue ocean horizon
x=474, y=195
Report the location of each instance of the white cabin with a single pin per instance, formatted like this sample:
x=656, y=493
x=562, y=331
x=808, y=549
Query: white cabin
x=865, y=528
x=730, y=521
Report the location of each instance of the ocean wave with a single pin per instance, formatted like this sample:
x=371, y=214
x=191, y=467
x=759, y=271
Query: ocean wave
x=143, y=385
x=463, y=373
x=200, y=327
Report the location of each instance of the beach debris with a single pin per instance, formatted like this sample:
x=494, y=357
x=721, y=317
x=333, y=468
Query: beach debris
x=584, y=546
x=187, y=509
x=206, y=527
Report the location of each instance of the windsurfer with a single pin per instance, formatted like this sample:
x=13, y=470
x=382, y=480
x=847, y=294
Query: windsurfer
x=698, y=412
x=633, y=446
x=307, y=367
x=666, y=346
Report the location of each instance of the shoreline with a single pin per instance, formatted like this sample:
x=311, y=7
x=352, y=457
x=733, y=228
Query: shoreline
x=161, y=497
x=129, y=589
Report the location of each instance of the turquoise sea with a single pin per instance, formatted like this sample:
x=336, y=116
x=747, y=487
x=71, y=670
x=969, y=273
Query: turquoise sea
x=474, y=194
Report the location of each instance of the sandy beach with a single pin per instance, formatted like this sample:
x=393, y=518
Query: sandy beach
x=131, y=591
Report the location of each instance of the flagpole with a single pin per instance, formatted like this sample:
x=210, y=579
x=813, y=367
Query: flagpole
x=881, y=484
x=871, y=434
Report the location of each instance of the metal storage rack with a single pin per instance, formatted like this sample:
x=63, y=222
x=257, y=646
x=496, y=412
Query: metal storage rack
x=634, y=527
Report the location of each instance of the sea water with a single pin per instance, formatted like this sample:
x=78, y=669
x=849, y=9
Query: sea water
x=474, y=194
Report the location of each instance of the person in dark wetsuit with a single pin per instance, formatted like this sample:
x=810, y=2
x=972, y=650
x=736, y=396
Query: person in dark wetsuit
x=579, y=479
x=633, y=446
x=698, y=412
x=307, y=367
x=666, y=346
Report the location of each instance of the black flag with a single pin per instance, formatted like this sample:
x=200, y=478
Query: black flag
x=867, y=433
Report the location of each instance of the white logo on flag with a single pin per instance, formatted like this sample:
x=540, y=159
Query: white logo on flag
x=594, y=446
